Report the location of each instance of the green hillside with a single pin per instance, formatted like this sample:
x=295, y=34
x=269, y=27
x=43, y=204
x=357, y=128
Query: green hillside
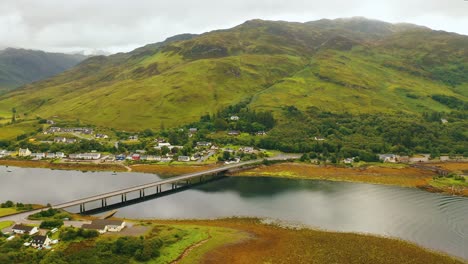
x=20, y=66
x=342, y=66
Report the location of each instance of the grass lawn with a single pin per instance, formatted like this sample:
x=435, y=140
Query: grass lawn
x=7, y=211
x=5, y=224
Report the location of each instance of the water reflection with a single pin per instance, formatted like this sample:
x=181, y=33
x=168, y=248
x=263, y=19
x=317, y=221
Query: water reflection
x=432, y=220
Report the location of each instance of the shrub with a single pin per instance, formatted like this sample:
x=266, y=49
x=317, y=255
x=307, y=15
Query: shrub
x=51, y=224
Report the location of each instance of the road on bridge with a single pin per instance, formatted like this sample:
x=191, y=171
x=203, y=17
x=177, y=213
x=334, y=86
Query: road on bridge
x=22, y=216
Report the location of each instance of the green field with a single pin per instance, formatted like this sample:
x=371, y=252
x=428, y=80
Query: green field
x=5, y=224
x=7, y=211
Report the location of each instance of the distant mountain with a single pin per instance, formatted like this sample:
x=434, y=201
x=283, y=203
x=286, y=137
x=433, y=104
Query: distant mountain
x=351, y=65
x=21, y=66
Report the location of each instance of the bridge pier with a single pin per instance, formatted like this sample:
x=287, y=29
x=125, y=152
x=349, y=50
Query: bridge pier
x=104, y=202
x=82, y=208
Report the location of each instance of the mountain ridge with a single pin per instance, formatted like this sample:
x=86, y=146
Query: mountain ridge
x=21, y=66
x=336, y=65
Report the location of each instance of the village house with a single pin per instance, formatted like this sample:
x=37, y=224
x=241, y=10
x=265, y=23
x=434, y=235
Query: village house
x=52, y=130
x=193, y=130
x=38, y=155
x=348, y=160
x=105, y=225
x=234, y=118
x=166, y=159
x=261, y=133
x=153, y=158
x=103, y=136
x=50, y=155
x=160, y=140
x=183, y=158
x=120, y=157
x=164, y=144
x=234, y=133
x=136, y=156
x=444, y=121
x=392, y=158
x=60, y=139
x=60, y=155
x=133, y=138
x=85, y=156
x=248, y=149
x=195, y=157
x=420, y=158
x=24, y=152
x=5, y=153
x=319, y=138
x=50, y=122
x=71, y=140
x=24, y=229
x=203, y=144
x=40, y=241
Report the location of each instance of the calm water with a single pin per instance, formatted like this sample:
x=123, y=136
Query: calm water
x=432, y=220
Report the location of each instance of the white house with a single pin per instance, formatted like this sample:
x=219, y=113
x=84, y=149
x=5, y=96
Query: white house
x=5, y=153
x=24, y=152
x=60, y=155
x=60, y=139
x=248, y=149
x=392, y=158
x=40, y=241
x=105, y=225
x=203, y=144
x=183, y=158
x=24, y=229
x=420, y=158
x=234, y=118
x=38, y=155
x=86, y=156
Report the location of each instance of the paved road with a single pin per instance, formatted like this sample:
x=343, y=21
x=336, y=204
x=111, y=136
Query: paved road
x=23, y=218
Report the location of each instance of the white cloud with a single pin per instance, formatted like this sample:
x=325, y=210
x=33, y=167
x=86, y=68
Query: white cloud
x=121, y=25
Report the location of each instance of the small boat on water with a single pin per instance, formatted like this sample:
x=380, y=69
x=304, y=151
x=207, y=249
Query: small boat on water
x=114, y=173
x=7, y=169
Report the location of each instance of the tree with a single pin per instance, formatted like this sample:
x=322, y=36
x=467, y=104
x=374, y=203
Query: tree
x=7, y=204
x=220, y=124
x=13, y=118
x=226, y=155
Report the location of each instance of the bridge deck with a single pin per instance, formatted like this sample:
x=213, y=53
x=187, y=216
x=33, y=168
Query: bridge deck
x=154, y=184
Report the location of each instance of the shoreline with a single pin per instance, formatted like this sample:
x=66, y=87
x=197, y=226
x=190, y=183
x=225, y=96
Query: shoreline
x=396, y=175
x=261, y=232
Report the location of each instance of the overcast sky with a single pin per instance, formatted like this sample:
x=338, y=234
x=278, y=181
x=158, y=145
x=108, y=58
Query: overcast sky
x=122, y=25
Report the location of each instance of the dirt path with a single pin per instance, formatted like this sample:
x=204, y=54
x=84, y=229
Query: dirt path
x=189, y=249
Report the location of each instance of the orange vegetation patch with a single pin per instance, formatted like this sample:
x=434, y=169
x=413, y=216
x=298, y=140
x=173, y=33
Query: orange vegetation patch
x=63, y=166
x=452, y=166
x=273, y=244
x=408, y=177
x=169, y=170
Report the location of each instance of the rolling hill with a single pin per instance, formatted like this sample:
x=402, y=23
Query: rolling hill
x=20, y=66
x=351, y=65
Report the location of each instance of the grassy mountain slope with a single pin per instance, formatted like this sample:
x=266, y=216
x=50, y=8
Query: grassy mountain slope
x=20, y=66
x=344, y=65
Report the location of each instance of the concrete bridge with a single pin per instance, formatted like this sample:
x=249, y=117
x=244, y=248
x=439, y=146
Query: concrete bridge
x=159, y=188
